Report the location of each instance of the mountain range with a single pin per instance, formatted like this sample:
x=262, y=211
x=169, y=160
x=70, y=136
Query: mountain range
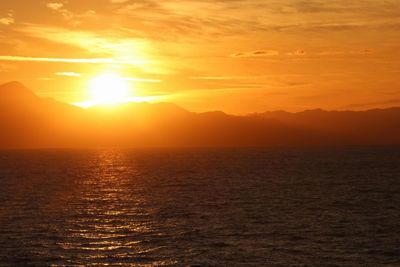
x=27, y=121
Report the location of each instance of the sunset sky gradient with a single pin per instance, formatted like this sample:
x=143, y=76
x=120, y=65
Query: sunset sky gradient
x=239, y=56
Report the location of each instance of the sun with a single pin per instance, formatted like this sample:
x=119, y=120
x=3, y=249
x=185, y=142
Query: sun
x=109, y=89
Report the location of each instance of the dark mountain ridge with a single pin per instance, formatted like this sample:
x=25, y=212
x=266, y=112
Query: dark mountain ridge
x=27, y=121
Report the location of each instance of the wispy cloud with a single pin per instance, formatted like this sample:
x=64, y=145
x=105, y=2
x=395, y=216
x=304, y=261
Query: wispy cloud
x=339, y=53
x=68, y=74
x=257, y=53
x=269, y=53
x=131, y=49
x=113, y=46
x=59, y=8
x=9, y=19
x=234, y=17
x=69, y=60
x=68, y=15
x=223, y=78
x=55, y=5
x=299, y=52
x=118, y=1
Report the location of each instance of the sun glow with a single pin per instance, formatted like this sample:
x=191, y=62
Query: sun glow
x=109, y=89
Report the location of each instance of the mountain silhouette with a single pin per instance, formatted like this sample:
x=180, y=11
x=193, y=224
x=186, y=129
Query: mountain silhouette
x=27, y=121
x=15, y=91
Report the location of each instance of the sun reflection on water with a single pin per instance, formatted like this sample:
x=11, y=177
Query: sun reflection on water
x=110, y=218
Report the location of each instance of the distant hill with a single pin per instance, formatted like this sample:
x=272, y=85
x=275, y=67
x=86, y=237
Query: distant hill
x=27, y=121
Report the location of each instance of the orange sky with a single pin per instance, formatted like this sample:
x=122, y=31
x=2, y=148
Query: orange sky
x=238, y=56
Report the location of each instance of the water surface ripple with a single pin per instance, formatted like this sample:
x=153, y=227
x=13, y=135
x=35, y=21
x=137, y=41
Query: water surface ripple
x=201, y=207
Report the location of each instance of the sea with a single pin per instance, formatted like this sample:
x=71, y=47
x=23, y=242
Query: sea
x=329, y=206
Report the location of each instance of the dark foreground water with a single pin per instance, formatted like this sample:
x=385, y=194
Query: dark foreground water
x=245, y=207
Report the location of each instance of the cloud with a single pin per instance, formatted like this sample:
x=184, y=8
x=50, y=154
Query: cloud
x=68, y=74
x=60, y=8
x=71, y=17
x=68, y=60
x=55, y=6
x=6, y=21
x=118, y=1
x=216, y=78
x=340, y=53
x=223, y=78
x=112, y=46
x=108, y=43
x=269, y=53
x=216, y=18
x=299, y=52
x=311, y=6
x=9, y=19
x=176, y=19
x=257, y=53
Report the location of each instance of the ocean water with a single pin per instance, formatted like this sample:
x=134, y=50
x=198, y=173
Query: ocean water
x=201, y=207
